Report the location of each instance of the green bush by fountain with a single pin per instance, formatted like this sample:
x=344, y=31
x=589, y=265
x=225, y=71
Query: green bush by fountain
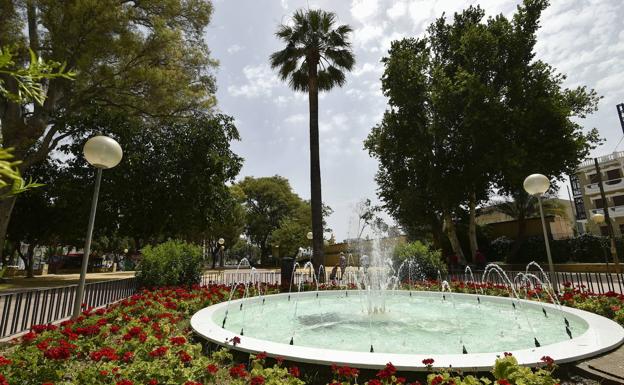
x=428, y=260
x=171, y=263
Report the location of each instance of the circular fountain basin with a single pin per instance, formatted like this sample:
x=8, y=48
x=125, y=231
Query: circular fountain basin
x=336, y=327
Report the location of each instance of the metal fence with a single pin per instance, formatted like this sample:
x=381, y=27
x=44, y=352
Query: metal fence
x=599, y=283
x=21, y=310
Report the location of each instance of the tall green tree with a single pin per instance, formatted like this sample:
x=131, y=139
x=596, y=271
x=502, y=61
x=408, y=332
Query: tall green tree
x=146, y=59
x=171, y=184
x=315, y=58
x=471, y=109
x=268, y=201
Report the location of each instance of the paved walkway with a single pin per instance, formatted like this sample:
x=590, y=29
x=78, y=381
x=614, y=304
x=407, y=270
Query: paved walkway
x=607, y=368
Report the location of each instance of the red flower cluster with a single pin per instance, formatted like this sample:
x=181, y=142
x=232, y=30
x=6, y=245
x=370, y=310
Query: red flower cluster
x=344, y=371
x=107, y=354
x=177, y=340
x=257, y=380
x=294, y=371
x=428, y=361
x=238, y=371
x=159, y=352
x=184, y=356
x=5, y=361
x=548, y=360
x=387, y=372
x=62, y=351
x=212, y=368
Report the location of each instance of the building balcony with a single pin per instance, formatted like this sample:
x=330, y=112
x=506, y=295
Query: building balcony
x=589, y=163
x=614, y=212
x=609, y=185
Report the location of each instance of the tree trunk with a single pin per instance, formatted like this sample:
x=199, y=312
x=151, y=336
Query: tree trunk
x=6, y=208
x=472, y=226
x=451, y=232
x=318, y=257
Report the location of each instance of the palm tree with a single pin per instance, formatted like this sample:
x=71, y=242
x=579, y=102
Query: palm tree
x=315, y=58
x=523, y=206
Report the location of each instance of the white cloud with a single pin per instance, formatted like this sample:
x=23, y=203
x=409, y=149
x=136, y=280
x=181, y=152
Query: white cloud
x=234, y=48
x=397, y=10
x=366, y=34
x=364, y=9
x=260, y=81
x=367, y=68
x=296, y=118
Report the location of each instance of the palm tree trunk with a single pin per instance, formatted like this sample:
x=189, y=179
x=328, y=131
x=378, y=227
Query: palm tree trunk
x=318, y=257
x=472, y=226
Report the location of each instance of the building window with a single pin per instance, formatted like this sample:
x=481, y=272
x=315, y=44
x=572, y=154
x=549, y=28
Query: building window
x=604, y=231
x=618, y=200
x=614, y=174
x=598, y=203
x=593, y=178
x=622, y=228
x=579, y=204
x=576, y=186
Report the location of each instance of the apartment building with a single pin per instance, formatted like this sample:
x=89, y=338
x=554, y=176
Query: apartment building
x=586, y=193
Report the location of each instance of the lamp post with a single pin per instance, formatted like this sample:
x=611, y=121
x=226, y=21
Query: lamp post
x=310, y=235
x=599, y=219
x=537, y=185
x=221, y=248
x=101, y=152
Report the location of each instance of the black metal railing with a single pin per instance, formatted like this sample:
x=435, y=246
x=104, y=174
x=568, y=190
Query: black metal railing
x=592, y=282
x=23, y=309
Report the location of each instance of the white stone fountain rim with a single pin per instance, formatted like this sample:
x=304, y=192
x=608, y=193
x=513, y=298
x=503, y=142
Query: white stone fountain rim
x=601, y=336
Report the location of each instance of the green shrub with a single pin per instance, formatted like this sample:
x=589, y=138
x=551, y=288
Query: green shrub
x=170, y=263
x=427, y=261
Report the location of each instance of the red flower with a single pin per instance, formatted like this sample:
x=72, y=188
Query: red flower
x=294, y=371
x=153, y=381
x=428, y=361
x=3, y=381
x=238, y=371
x=261, y=356
x=177, y=340
x=128, y=356
x=507, y=354
x=212, y=368
x=124, y=382
x=437, y=380
x=47, y=383
x=503, y=381
x=548, y=360
x=374, y=381
x=280, y=360
x=103, y=372
x=114, y=328
x=257, y=380
x=28, y=337
x=184, y=356
x=235, y=341
x=159, y=352
x=106, y=353
x=5, y=361
x=387, y=372
x=192, y=383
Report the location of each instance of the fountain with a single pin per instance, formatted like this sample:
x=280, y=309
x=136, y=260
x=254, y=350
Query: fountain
x=377, y=322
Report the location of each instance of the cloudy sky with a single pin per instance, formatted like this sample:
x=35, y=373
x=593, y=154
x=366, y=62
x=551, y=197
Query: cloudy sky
x=581, y=38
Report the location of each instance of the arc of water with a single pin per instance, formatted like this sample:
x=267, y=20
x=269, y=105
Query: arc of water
x=469, y=270
x=553, y=294
x=292, y=276
x=494, y=267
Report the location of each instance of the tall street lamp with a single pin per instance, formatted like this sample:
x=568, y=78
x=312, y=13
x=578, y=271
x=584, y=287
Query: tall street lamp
x=221, y=248
x=537, y=185
x=101, y=152
x=599, y=219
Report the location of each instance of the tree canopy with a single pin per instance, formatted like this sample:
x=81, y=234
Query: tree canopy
x=472, y=109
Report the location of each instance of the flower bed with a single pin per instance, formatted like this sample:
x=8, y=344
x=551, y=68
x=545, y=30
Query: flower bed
x=146, y=340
